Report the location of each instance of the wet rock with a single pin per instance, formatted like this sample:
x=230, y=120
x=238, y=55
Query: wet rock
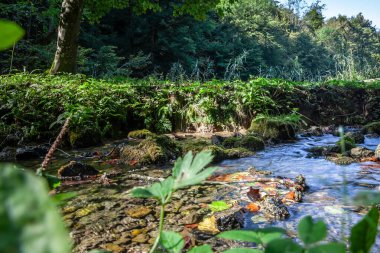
x=315, y=152
x=27, y=153
x=112, y=247
x=274, y=208
x=74, y=169
x=7, y=154
x=358, y=137
x=140, y=134
x=190, y=219
x=155, y=150
x=138, y=212
x=217, y=140
x=274, y=128
x=341, y=160
x=377, y=152
x=229, y=219
x=361, y=152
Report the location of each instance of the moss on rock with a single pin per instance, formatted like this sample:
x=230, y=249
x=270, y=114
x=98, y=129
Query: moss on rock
x=249, y=142
x=140, y=134
x=282, y=127
x=347, y=142
x=372, y=128
x=153, y=150
x=85, y=137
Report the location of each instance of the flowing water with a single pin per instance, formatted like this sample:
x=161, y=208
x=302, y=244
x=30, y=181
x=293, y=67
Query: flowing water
x=328, y=197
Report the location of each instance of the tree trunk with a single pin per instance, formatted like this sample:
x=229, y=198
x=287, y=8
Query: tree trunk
x=65, y=59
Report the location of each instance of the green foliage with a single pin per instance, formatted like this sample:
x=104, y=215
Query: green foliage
x=29, y=220
x=310, y=232
x=259, y=236
x=201, y=249
x=10, y=33
x=363, y=234
x=172, y=242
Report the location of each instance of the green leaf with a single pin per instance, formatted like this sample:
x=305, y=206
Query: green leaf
x=243, y=250
x=310, y=232
x=260, y=236
x=10, y=33
x=363, y=234
x=334, y=247
x=283, y=245
x=159, y=191
x=217, y=206
x=201, y=249
x=172, y=241
x=29, y=219
x=189, y=171
x=60, y=198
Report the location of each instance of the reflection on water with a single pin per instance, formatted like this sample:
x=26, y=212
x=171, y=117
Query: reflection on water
x=325, y=197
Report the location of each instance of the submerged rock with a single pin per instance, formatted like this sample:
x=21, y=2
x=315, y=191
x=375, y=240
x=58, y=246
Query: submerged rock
x=74, y=169
x=341, y=160
x=138, y=212
x=153, y=150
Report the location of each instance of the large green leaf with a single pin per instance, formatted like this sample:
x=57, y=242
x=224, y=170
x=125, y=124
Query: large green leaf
x=283, y=245
x=10, y=33
x=159, y=191
x=201, y=249
x=29, y=220
x=172, y=241
x=329, y=248
x=260, y=236
x=189, y=171
x=310, y=232
x=363, y=234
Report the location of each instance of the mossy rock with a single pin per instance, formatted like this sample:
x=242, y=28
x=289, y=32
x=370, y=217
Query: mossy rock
x=85, y=137
x=220, y=153
x=140, y=134
x=358, y=137
x=372, y=128
x=248, y=142
x=281, y=127
x=153, y=150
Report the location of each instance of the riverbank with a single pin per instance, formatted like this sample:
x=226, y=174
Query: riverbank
x=33, y=107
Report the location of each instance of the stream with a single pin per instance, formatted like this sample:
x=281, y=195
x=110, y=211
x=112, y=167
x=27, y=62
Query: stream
x=327, y=198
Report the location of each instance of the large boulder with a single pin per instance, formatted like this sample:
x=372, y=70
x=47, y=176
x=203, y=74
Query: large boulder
x=74, y=169
x=276, y=128
x=358, y=137
x=153, y=150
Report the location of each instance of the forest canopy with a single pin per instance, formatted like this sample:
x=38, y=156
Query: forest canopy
x=226, y=40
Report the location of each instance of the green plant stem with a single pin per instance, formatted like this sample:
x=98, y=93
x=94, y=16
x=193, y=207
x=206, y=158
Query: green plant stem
x=160, y=228
x=161, y=224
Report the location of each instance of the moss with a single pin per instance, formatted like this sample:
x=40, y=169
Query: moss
x=140, y=134
x=372, y=128
x=153, y=150
x=85, y=137
x=220, y=153
x=249, y=142
x=282, y=127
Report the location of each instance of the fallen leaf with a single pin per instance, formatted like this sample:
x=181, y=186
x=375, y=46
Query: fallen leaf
x=195, y=225
x=252, y=207
x=290, y=195
x=253, y=194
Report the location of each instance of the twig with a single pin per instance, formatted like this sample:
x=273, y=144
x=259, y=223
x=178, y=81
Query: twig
x=55, y=145
x=146, y=178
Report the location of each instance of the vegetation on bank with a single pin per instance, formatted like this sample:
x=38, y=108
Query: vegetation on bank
x=33, y=107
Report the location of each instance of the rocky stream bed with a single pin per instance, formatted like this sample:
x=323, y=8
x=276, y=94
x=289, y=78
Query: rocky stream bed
x=265, y=188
